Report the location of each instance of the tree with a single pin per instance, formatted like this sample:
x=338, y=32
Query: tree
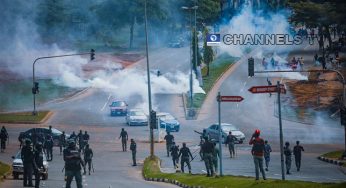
x=195, y=49
x=208, y=53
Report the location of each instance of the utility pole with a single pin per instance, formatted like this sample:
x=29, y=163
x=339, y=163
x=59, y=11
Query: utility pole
x=149, y=86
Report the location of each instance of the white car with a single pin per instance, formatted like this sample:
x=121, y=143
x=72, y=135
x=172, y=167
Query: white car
x=136, y=117
x=18, y=168
x=213, y=132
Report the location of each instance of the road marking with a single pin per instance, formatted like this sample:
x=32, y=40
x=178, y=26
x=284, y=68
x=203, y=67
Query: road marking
x=242, y=89
x=204, y=171
x=104, y=106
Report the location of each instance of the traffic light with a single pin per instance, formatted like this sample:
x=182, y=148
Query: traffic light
x=343, y=116
x=92, y=54
x=153, y=120
x=35, y=89
x=251, y=66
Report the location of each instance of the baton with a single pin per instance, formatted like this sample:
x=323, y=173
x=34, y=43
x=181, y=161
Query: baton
x=63, y=169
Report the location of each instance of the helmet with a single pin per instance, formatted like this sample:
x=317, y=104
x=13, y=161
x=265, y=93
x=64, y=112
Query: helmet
x=257, y=131
x=38, y=145
x=28, y=141
x=71, y=143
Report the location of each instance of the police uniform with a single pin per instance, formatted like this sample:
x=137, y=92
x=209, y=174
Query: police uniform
x=88, y=155
x=288, y=159
x=208, y=150
x=80, y=140
x=62, y=141
x=133, y=148
x=216, y=155
x=185, y=157
x=169, y=141
x=124, y=138
x=3, y=138
x=175, y=154
x=49, y=147
x=73, y=164
x=230, y=141
x=297, y=151
x=27, y=156
x=38, y=159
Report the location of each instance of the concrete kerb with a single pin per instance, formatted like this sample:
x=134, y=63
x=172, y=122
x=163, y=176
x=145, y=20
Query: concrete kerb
x=332, y=161
x=171, y=181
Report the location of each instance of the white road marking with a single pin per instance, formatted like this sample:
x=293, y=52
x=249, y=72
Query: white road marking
x=242, y=89
x=104, y=106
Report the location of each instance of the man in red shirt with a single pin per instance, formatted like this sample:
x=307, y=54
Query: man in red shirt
x=257, y=152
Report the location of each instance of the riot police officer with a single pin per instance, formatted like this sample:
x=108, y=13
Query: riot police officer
x=133, y=148
x=88, y=155
x=62, y=141
x=208, y=150
x=288, y=155
x=3, y=138
x=73, y=163
x=185, y=157
x=48, y=145
x=174, y=153
x=169, y=141
x=124, y=138
x=80, y=140
x=27, y=155
x=38, y=163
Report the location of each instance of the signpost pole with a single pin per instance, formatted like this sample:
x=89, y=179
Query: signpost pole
x=220, y=135
x=281, y=136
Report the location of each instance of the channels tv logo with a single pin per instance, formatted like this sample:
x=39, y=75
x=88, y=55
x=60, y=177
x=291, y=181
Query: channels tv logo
x=213, y=39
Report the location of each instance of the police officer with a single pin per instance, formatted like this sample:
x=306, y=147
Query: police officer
x=73, y=136
x=201, y=142
x=230, y=140
x=38, y=164
x=297, y=151
x=208, y=150
x=73, y=163
x=80, y=140
x=3, y=139
x=86, y=137
x=174, y=153
x=216, y=155
x=49, y=143
x=62, y=141
x=267, y=151
x=133, y=148
x=257, y=152
x=27, y=155
x=185, y=157
x=288, y=155
x=124, y=139
x=88, y=155
x=169, y=141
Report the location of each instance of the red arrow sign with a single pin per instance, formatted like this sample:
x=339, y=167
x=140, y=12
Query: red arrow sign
x=267, y=89
x=231, y=98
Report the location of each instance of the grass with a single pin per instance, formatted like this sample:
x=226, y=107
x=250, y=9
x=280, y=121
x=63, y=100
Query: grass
x=217, y=68
x=4, y=169
x=151, y=170
x=335, y=155
x=23, y=117
x=16, y=94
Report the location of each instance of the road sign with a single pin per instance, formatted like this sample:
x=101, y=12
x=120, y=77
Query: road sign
x=231, y=98
x=267, y=89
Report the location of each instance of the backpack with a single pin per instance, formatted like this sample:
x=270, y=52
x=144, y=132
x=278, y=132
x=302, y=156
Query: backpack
x=258, y=146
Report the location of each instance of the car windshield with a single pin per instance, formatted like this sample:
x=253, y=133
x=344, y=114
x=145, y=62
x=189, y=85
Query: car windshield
x=136, y=113
x=167, y=117
x=18, y=156
x=56, y=131
x=118, y=104
x=227, y=128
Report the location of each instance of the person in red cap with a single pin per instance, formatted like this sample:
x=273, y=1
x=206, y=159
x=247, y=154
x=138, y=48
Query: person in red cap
x=257, y=153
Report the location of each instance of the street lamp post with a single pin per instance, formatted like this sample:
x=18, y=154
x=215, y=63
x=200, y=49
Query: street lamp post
x=34, y=89
x=149, y=86
x=191, y=66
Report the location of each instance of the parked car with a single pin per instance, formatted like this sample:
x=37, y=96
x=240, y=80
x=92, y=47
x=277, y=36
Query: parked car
x=118, y=108
x=45, y=131
x=213, y=132
x=18, y=168
x=136, y=117
x=168, y=122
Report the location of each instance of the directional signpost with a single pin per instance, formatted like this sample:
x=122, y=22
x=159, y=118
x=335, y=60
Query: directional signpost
x=219, y=100
x=279, y=89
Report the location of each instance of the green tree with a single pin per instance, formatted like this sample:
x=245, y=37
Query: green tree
x=208, y=53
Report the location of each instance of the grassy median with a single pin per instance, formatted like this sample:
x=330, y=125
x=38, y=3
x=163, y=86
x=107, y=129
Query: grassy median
x=151, y=170
x=217, y=68
x=4, y=169
x=23, y=117
x=336, y=155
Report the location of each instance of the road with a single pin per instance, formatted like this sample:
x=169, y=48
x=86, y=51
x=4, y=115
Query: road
x=89, y=111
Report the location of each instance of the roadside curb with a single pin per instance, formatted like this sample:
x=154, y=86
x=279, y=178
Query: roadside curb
x=49, y=114
x=165, y=180
x=332, y=161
